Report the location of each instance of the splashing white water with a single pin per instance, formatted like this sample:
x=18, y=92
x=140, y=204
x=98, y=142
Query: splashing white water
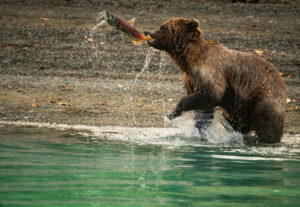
x=147, y=62
x=101, y=20
x=173, y=138
x=161, y=67
x=92, y=33
x=219, y=131
x=146, y=66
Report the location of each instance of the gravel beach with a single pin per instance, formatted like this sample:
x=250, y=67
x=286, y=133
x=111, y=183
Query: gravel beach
x=57, y=67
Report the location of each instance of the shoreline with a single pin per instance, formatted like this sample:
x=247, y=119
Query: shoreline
x=128, y=133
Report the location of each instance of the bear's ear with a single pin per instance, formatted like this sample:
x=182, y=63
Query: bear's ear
x=193, y=23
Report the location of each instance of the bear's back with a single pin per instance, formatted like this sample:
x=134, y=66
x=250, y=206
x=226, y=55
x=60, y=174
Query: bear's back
x=245, y=73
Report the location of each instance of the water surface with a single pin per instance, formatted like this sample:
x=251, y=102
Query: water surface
x=113, y=167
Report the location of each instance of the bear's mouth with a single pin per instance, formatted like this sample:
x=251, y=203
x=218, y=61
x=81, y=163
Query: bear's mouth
x=153, y=41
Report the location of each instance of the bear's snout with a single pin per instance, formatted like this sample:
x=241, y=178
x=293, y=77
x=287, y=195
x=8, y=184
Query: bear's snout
x=150, y=34
x=153, y=41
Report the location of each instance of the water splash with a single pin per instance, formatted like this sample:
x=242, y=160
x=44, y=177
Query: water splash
x=219, y=131
x=146, y=66
x=147, y=62
x=101, y=20
x=103, y=36
x=161, y=67
x=92, y=34
x=173, y=138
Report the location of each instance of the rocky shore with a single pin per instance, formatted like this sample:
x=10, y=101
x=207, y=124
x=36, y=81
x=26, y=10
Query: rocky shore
x=56, y=67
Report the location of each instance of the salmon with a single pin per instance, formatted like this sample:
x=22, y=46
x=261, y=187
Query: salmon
x=126, y=27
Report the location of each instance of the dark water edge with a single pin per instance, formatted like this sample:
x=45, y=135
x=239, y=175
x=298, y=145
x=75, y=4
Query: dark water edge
x=67, y=167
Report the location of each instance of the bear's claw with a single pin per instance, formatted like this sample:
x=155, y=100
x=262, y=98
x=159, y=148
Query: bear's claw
x=173, y=115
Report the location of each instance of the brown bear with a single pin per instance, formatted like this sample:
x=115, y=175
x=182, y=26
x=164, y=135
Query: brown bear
x=249, y=88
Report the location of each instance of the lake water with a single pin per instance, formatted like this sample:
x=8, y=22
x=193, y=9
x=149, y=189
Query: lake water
x=114, y=166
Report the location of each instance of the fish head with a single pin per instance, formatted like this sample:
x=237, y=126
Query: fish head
x=110, y=18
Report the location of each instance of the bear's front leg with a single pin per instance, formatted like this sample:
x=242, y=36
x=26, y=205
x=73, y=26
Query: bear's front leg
x=191, y=102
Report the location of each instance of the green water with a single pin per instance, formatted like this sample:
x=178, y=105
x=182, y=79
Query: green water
x=48, y=167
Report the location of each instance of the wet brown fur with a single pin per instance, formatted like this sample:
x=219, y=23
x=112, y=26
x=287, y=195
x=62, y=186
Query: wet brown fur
x=249, y=88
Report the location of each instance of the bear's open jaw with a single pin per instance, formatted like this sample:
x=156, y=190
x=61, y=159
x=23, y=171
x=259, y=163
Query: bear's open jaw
x=152, y=42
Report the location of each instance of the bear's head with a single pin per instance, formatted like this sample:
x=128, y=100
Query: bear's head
x=175, y=35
